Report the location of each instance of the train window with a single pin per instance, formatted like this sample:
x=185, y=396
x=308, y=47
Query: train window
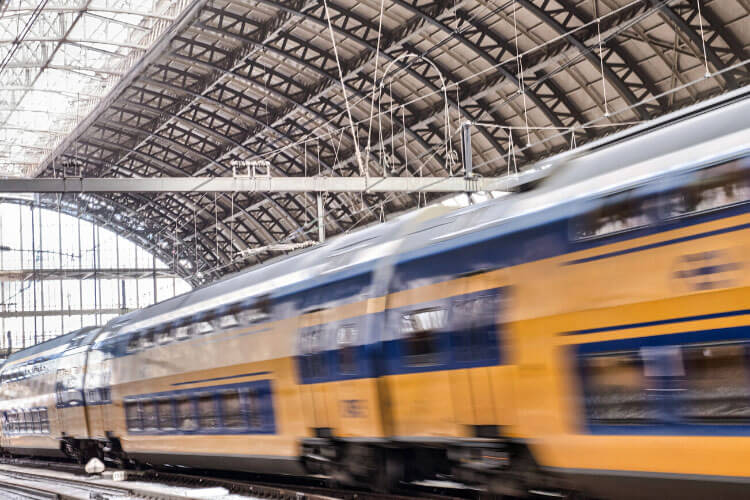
x=313, y=349
x=250, y=316
x=150, y=417
x=615, y=388
x=232, y=410
x=421, y=332
x=715, y=387
x=715, y=187
x=255, y=409
x=207, y=417
x=346, y=337
x=15, y=421
x=25, y=421
x=19, y=418
x=473, y=326
x=133, y=417
x=186, y=415
x=36, y=422
x=14, y=417
x=200, y=328
x=181, y=332
x=146, y=340
x=163, y=336
x=166, y=415
x=224, y=322
x=30, y=428
x=616, y=213
x=44, y=420
x=104, y=394
x=133, y=341
x=12, y=425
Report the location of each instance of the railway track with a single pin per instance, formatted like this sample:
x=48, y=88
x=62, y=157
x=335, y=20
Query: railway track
x=269, y=487
x=21, y=484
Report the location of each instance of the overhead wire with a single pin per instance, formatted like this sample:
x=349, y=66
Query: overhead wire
x=318, y=137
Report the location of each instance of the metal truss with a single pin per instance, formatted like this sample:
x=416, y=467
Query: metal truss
x=257, y=80
x=242, y=184
x=63, y=312
x=64, y=54
x=82, y=274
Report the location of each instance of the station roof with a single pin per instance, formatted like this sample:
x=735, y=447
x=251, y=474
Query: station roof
x=227, y=86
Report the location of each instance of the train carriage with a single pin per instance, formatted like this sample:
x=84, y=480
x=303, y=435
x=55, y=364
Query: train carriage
x=41, y=399
x=588, y=332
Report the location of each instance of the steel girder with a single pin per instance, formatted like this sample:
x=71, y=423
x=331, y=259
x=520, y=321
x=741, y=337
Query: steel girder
x=685, y=17
x=245, y=78
x=623, y=75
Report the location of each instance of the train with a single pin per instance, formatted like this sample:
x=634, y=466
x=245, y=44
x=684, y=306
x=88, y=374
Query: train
x=588, y=334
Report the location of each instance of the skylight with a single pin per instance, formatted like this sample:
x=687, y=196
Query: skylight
x=58, y=58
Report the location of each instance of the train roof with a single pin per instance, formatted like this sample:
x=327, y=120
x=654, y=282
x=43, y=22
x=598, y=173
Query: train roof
x=279, y=274
x=676, y=131
x=60, y=342
x=627, y=159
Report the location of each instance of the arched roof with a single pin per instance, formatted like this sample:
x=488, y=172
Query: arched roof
x=291, y=82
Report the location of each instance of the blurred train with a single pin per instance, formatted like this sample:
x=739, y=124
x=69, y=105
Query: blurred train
x=589, y=334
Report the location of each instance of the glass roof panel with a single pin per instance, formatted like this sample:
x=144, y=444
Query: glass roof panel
x=58, y=58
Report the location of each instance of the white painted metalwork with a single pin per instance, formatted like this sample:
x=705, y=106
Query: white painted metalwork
x=58, y=59
x=260, y=184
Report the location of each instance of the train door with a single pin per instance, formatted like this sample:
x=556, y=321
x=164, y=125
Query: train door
x=357, y=404
x=71, y=415
x=416, y=363
x=475, y=350
x=96, y=391
x=314, y=363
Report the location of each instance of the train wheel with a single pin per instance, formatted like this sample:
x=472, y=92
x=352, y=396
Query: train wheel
x=390, y=471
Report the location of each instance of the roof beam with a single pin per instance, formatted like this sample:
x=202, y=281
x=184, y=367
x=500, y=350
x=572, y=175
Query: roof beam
x=80, y=274
x=252, y=184
x=163, y=44
x=544, y=14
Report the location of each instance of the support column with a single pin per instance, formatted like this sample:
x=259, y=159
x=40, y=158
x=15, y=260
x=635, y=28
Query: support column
x=21, y=284
x=466, y=149
x=33, y=271
x=321, y=219
x=41, y=267
x=80, y=259
x=153, y=274
x=60, y=260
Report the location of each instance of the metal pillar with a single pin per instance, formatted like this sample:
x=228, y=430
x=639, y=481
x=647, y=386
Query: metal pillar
x=466, y=149
x=321, y=218
x=153, y=267
x=33, y=268
x=20, y=257
x=41, y=267
x=60, y=261
x=80, y=259
x=2, y=286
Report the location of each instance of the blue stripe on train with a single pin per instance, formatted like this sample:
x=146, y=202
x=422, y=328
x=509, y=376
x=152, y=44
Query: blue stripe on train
x=725, y=314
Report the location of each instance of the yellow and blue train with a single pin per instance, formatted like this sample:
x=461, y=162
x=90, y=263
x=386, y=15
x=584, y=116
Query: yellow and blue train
x=591, y=334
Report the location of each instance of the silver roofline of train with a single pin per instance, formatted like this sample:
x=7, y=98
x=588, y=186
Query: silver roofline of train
x=548, y=166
